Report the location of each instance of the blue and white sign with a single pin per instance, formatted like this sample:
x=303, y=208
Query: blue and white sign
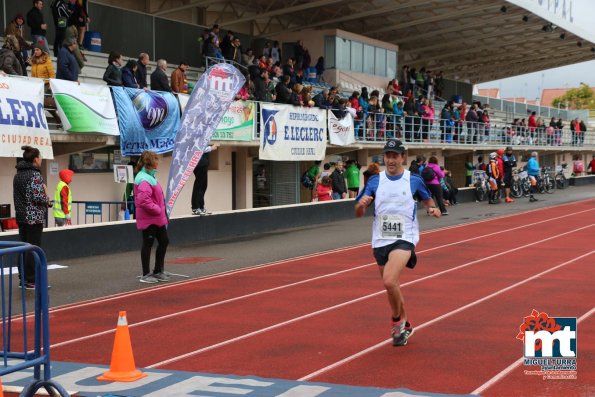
x=211, y=97
x=291, y=133
x=148, y=120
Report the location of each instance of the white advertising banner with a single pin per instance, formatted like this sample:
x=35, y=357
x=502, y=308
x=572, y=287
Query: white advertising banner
x=341, y=131
x=22, y=117
x=291, y=133
x=85, y=108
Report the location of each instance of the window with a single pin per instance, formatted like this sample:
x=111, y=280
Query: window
x=391, y=64
x=368, y=59
x=343, y=60
x=357, y=57
x=380, y=62
x=329, y=52
x=93, y=162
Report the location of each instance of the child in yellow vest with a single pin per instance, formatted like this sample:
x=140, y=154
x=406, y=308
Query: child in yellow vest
x=63, y=199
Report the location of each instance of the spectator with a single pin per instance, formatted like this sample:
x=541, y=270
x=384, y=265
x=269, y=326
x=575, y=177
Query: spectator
x=296, y=95
x=201, y=182
x=113, y=72
x=211, y=50
x=60, y=15
x=532, y=126
x=533, y=172
x=179, y=81
x=15, y=28
x=129, y=74
x=591, y=166
x=42, y=68
x=578, y=129
x=151, y=219
x=68, y=68
x=282, y=90
x=63, y=199
x=9, y=61
x=558, y=132
x=248, y=57
x=225, y=46
x=417, y=165
x=141, y=70
x=31, y=204
x=275, y=53
x=257, y=78
x=266, y=52
x=298, y=53
x=480, y=166
x=324, y=191
x=373, y=169
x=37, y=25
x=72, y=33
x=320, y=70
x=159, y=80
x=472, y=118
x=449, y=188
x=405, y=78
x=338, y=178
x=352, y=176
x=289, y=70
x=307, y=60
x=578, y=167
x=79, y=19
x=469, y=168
x=434, y=184
x=493, y=172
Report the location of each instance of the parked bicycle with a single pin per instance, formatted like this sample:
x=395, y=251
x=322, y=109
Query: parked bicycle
x=516, y=187
x=560, y=178
x=545, y=182
x=482, y=187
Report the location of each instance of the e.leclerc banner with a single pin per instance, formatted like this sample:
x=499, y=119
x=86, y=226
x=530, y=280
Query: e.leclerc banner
x=22, y=117
x=85, y=107
x=148, y=120
x=211, y=97
x=341, y=131
x=291, y=133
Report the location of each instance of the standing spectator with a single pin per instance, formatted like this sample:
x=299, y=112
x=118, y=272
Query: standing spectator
x=494, y=176
x=373, y=169
x=338, y=178
x=533, y=172
x=509, y=161
x=141, y=70
x=591, y=166
x=275, y=53
x=159, y=80
x=79, y=19
x=532, y=126
x=179, y=81
x=151, y=219
x=225, y=45
x=113, y=72
x=68, y=68
x=298, y=53
x=63, y=199
x=283, y=93
x=248, y=57
x=324, y=191
x=396, y=230
x=578, y=167
x=289, y=70
x=469, y=168
x=558, y=131
x=434, y=184
x=15, y=28
x=472, y=118
x=72, y=33
x=129, y=73
x=37, y=25
x=417, y=165
x=352, y=176
x=31, y=204
x=42, y=68
x=9, y=61
x=60, y=15
x=201, y=182
x=320, y=70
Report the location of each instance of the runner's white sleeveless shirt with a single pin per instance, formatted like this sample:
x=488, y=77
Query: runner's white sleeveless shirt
x=395, y=214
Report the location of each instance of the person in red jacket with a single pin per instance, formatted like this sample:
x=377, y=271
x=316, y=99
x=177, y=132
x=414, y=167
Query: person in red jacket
x=591, y=166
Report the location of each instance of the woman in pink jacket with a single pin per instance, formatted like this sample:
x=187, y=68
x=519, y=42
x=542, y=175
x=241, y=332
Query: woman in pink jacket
x=150, y=217
x=434, y=185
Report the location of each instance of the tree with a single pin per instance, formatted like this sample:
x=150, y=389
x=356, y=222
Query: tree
x=582, y=97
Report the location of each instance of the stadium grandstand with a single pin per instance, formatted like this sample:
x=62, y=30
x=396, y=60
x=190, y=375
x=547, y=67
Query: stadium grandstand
x=364, y=44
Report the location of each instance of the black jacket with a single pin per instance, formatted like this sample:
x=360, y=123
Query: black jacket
x=338, y=179
x=35, y=20
x=141, y=74
x=30, y=200
x=283, y=93
x=159, y=81
x=113, y=76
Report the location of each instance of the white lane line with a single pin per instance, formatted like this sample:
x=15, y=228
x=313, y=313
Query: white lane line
x=515, y=364
x=257, y=267
x=194, y=309
x=439, y=318
x=295, y=319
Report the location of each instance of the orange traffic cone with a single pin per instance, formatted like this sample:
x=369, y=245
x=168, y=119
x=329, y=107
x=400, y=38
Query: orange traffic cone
x=122, y=368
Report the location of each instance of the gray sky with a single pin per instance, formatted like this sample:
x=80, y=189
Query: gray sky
x=530, y=85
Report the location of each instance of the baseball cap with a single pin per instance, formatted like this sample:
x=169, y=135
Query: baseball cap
x=394, y=145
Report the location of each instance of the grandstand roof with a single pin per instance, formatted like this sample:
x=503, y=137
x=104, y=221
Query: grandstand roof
x=475, y=40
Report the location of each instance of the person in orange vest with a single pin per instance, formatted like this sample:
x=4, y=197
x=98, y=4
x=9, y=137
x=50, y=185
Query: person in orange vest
x=493, y=172
x=63, y=199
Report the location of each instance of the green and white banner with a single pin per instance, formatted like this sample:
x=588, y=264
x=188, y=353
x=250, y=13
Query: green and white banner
x=85, y=108
x=237, y=124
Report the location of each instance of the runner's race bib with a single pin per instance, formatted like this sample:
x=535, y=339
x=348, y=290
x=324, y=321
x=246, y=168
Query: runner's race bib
x=391, y=226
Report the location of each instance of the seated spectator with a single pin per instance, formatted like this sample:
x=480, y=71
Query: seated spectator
x=296, y=95
x=15, y=28
x=248, y=57
x=113, y=72
x=9, y=61
x=129, y=74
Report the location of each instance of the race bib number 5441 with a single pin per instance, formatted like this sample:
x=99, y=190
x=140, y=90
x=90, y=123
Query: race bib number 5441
x=391, y=226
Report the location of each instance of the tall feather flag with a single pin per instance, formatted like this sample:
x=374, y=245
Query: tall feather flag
x=211, y=97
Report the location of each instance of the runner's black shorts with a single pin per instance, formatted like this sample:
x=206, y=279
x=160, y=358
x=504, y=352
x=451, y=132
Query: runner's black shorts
x=381, y=253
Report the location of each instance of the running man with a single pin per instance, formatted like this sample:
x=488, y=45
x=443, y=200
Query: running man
x=395, y=230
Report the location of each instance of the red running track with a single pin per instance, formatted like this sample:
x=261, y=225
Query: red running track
x=324, y=317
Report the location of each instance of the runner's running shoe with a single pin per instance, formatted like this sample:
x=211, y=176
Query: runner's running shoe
x=401, y=332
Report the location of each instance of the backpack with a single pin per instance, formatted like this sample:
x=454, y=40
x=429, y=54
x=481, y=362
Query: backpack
x=428, y=174
x=307, y=181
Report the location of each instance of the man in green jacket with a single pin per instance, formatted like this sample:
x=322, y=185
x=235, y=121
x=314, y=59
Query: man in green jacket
x=352, y=176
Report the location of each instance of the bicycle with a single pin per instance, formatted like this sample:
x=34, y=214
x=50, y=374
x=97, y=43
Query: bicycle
x=516, y=187
x=482, y=187
x=545, y=182
x=560, y=178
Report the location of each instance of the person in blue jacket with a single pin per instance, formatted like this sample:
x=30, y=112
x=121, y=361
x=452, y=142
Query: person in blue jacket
x=533, y=172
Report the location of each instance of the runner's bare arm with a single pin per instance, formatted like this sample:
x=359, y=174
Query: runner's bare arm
x=362, y=204
x=431, y=208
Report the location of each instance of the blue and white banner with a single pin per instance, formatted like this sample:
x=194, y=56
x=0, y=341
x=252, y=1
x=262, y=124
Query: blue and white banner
x=291, y=133
x=148, y=120
x=211, y=97
x=341, y=131
x=22, y=117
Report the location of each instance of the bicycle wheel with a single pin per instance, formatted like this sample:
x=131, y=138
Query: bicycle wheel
x=560, y=181
x=516, y=190
x=549, y=185
x=526, y=187
x=480, y=193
